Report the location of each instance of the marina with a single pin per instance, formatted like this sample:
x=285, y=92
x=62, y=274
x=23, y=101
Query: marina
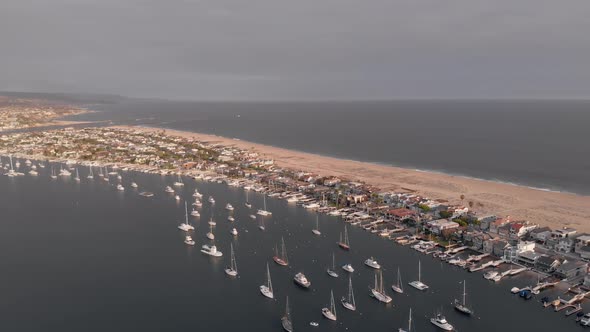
x=159, y=215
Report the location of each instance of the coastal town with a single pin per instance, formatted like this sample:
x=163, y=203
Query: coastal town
x=455, y=233
x=19, y=113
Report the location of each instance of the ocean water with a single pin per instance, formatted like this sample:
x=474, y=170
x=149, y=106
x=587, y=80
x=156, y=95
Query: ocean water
x=542, y=144
x=86, y=257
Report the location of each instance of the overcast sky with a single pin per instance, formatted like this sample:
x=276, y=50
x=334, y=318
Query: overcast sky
x=298, y=49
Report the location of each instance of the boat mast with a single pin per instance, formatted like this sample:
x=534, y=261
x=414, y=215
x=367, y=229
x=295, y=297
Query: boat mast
x=287, y=311
x=233, y=264
x=464, y=293
x=350, y=292
x=332, y=305
x=346, y=236
x=410, y=321
x=399, y=279
x=333, y=262
x=283, y=250
x=269, y=285
x=419, y=272
x=185, y=213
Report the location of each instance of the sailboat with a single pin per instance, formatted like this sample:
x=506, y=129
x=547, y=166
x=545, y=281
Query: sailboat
x=189, y=240
x=232, y=270
x=344, y=244
x=264, y=212
x=316, y=230
x=210, y=234
x=53, y=176
x=398, y=287
x=179, y=183
x=286, y=319
x=100, y=173
x=349, y=303
x=247, y=204
x=186, y=226
x=409, y=324
x=331, y=312
x=332, y=271
x=461, y=306
x=90, y=174
x=106, y=174
x=281, y=260
x=77, y=177
x=418, y=284
x=378, y=292
x=266, y=290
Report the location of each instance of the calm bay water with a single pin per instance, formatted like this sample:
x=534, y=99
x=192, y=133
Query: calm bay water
x=85, y=257
x=534, y=143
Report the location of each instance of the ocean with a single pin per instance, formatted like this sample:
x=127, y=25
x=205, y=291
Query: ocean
x=86, y=257
x=541, y=144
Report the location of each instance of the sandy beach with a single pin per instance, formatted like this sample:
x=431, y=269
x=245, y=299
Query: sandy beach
x=545, y=208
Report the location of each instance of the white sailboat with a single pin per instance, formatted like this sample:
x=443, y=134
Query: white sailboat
x=232, y=270
x=264, y=212
x=247, y=204
x=90, y=174
x=186, y=226
x=316, y=230
x=179, y=183
x=349, y=302
x=398, y=288
x=418, y=284
x=210, y=234
x=378, y=292
x=53, y=176
x=189, y=240
x=77, y=177
x=332, y=271
x=409, y=324
x=266, y=290
x=330, y=313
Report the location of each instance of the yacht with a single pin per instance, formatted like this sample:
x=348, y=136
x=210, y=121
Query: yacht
x=418, y=284
x=28, y=162
x=409, y=324
x=301, y=280
x=198, y=203
x=585, y=320
x=461, y=306
x=210, y=234
x=177, y=197
x=179, y=183
x=252, y=216
x=34, y=167
x=197, y=194
x=33, y=172
x=266, y=289
x=378, y=292
x=344, y=243
x=211, y=251
x=119, y=177
x=490, y=274
x=195, y=213
x=229, y=207
x=314, y=324
x=120, y=187
x=211, y=200
x=286, y=319
x=332, y=271
x=234, y=232
x=185, y=226
x=231, y=219
x=282, y=259
x=189, y=240
x=371, y=262
x=330, y=313
x=349, y=302
x=398, y=287
x=440, y=321
x=316, y=230
x=133, y=185
x=348, y=268
x=232, y=270
x=146, y=194
x=169, y=189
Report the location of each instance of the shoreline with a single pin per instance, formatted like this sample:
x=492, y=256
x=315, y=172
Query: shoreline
x=546, y=208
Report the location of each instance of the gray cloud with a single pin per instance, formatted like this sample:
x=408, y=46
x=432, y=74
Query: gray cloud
x=236, y=49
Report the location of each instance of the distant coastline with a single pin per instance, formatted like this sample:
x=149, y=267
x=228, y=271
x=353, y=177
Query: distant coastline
x=545, y=207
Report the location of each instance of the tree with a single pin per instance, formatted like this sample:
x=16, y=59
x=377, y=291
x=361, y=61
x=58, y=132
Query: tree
x=445, y=214
x=462, y=197
x=471, y=204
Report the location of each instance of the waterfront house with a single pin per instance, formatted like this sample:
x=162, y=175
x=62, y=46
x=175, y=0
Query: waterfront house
x=402, y=214
x=540, y=234
x=496, y=224
x=580, y=241
x=572, y=270
x=441, y=225
x=584, y=252
x=547, y=263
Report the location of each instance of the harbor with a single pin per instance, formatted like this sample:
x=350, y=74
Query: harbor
x=149, y=265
